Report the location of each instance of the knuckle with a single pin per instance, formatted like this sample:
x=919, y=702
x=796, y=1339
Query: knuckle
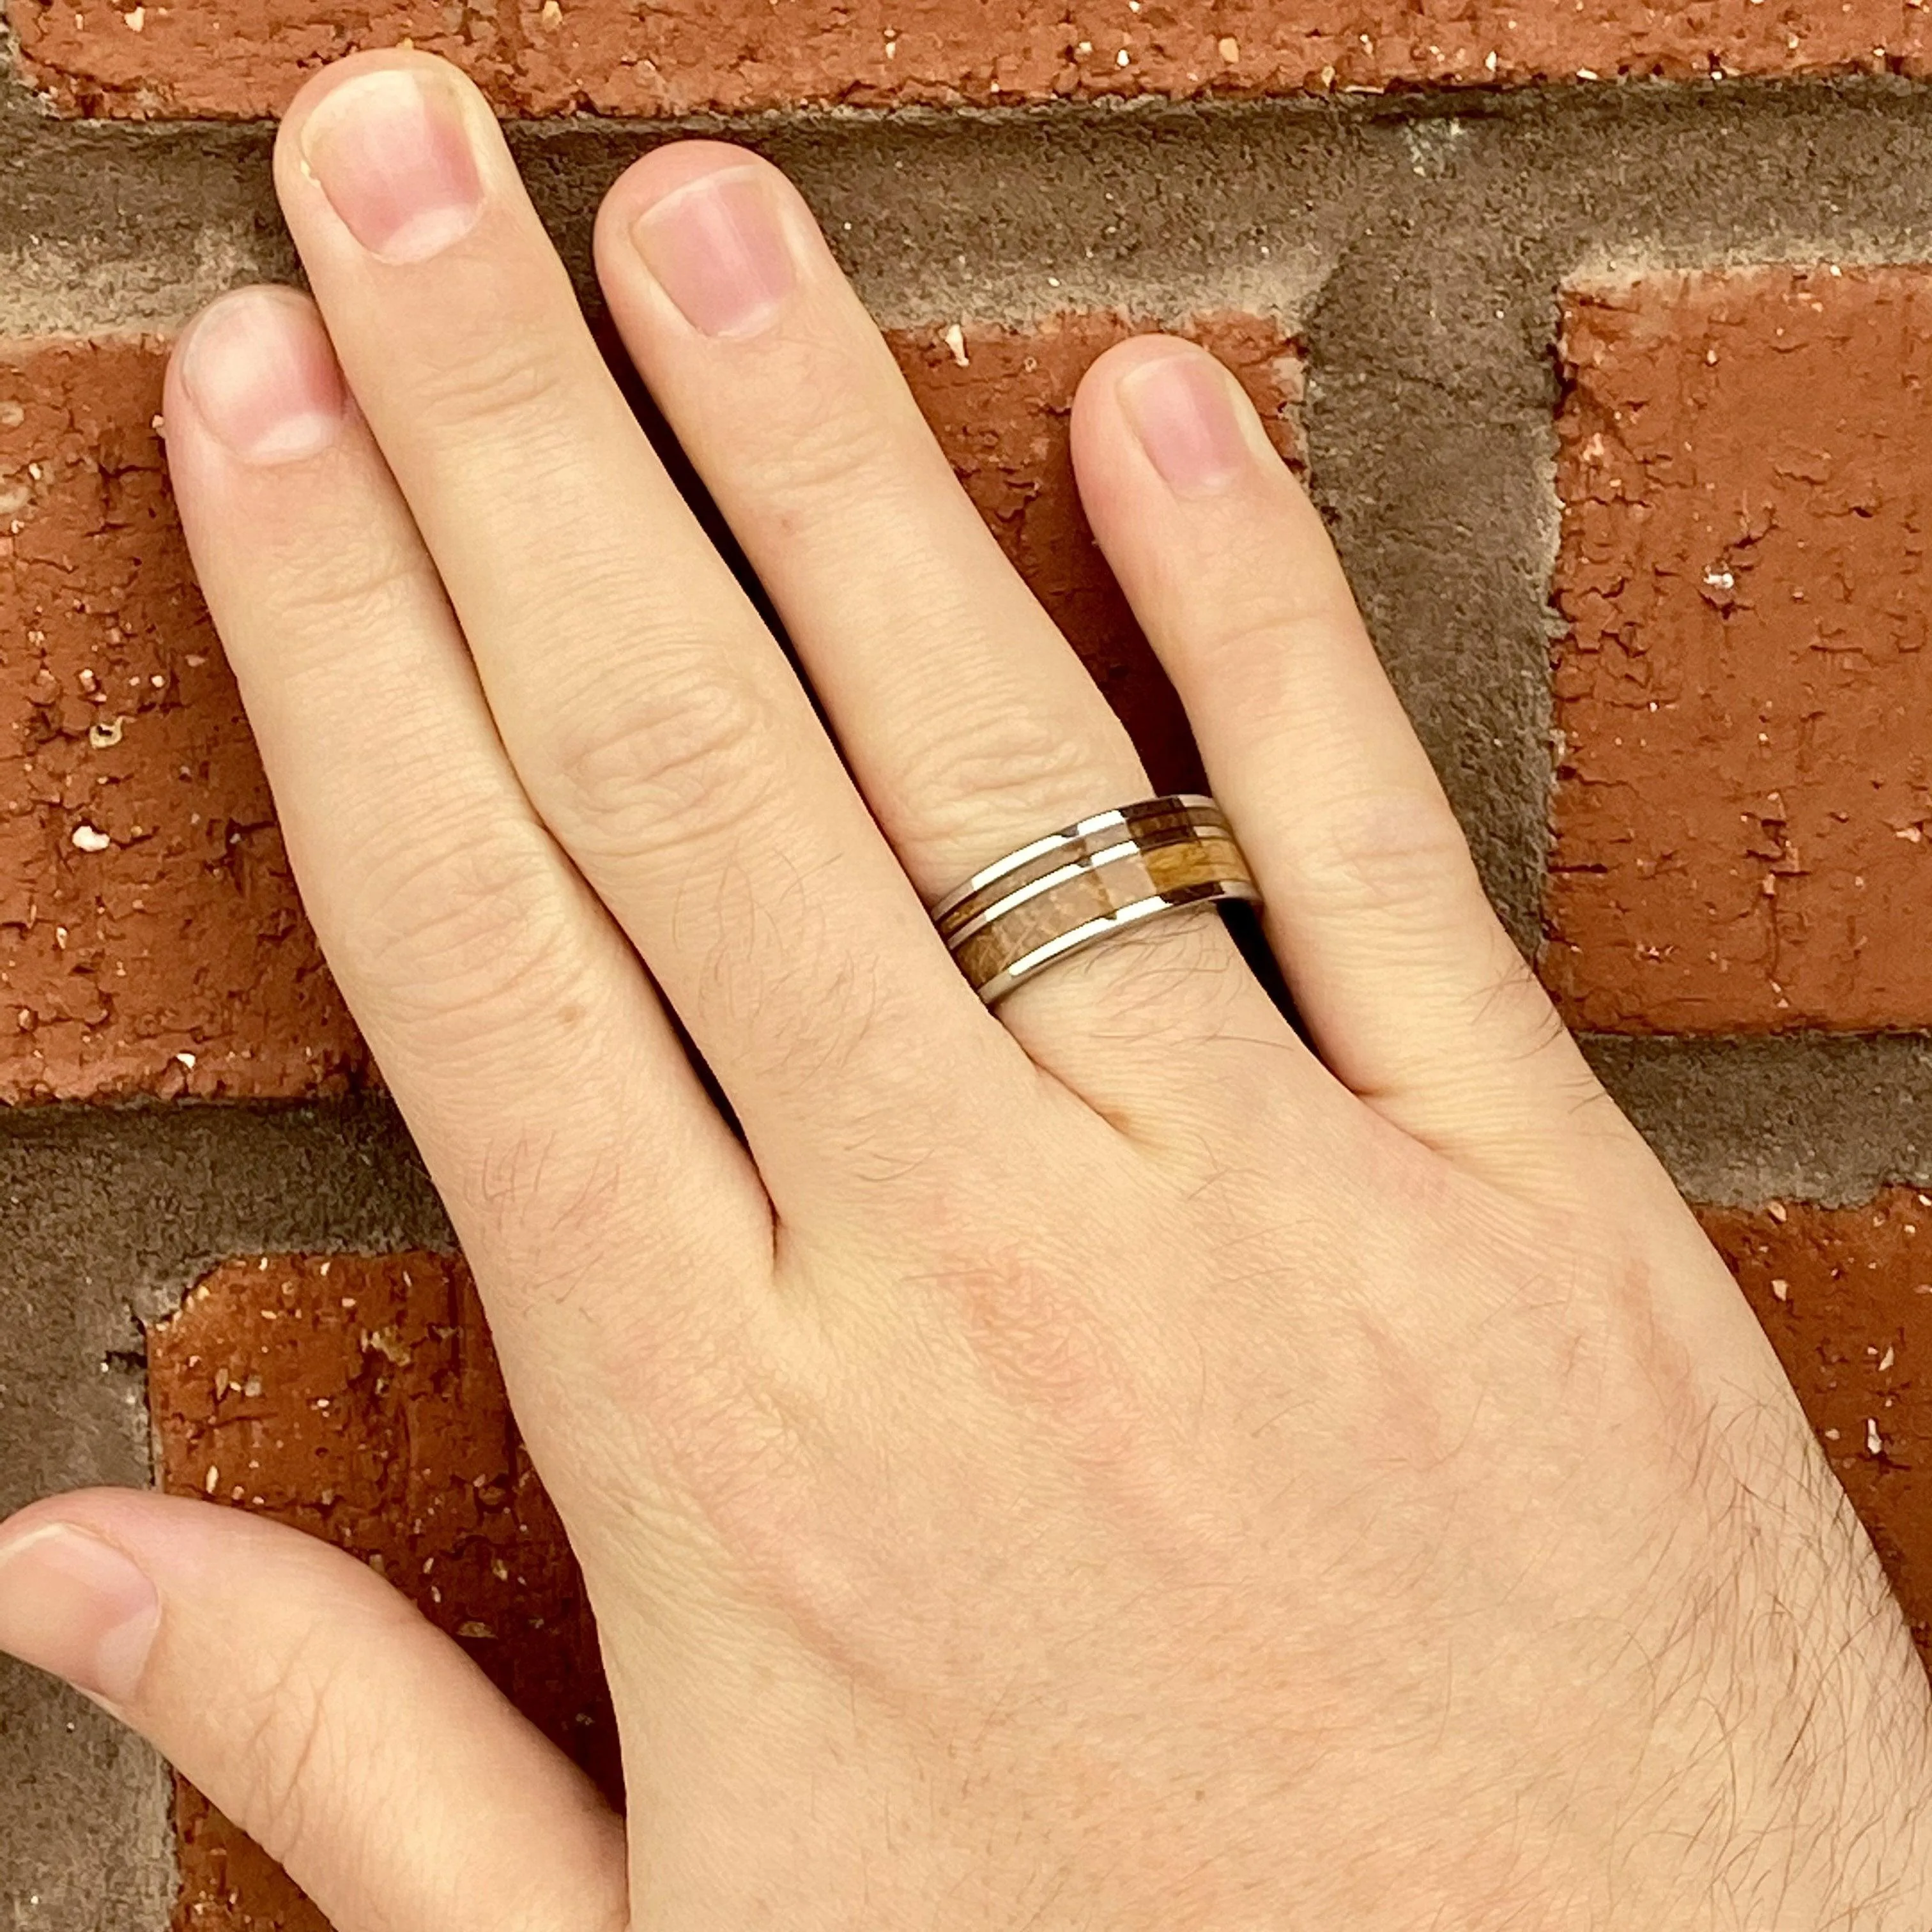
x=692, y=745
x=339, y=585
x=467, y=928
x=490, y=375
x=1250, y=648
x=734, y=1439
x=1012, y=772
x=826, y=429
x=1386, y=855
x=819, y=443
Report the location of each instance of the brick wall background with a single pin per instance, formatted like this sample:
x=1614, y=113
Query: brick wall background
x=1600, y=330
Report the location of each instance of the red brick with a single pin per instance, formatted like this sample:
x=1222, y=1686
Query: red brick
x=1743, y=818
x=358, y=1398
x=683, y=56
x=1001, y=414
x=1846, y=1296
x=175, y=958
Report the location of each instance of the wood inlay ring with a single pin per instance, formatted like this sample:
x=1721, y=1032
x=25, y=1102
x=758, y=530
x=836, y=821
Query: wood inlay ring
x=1067, y=891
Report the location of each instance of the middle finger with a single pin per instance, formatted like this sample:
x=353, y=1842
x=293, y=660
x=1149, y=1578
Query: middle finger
x=650, y=714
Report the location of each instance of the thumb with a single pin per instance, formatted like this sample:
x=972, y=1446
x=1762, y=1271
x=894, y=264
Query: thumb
x=354, y=1742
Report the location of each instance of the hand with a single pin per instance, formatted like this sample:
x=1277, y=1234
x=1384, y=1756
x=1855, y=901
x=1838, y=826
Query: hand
x=1112, y=1464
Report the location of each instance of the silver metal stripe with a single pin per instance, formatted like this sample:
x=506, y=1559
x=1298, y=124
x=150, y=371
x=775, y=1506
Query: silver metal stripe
x=1044, y=955
x=1046, y=883
x=980, y=881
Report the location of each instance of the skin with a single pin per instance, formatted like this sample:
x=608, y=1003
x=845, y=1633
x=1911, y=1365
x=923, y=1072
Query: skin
x=1119, y=1463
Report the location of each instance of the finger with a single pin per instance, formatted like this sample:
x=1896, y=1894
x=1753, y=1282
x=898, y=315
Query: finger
x=652, y=720
x=512, y=1020
x=309, y=1702
x=970, y=723
x=1412, y=992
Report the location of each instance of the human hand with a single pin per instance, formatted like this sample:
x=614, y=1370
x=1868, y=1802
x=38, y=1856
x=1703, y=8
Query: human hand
x=1110, y=1464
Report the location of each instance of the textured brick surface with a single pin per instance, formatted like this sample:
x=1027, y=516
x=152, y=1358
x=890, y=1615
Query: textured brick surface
x=679, y=56
x=150, y=939
x=999, y=400
x=1744, y=819
x=358, y=1398
x=1846, y=1296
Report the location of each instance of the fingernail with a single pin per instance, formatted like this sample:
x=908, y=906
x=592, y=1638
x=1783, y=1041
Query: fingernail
x=718, y=249
x=1184, y=409
x=262, y=375
x=71, y=1604
x=391, y=149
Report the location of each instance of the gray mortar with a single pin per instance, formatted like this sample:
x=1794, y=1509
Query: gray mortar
x=1417, y=243
x=1739, y=1122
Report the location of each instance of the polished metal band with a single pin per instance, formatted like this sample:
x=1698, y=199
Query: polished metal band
x=1066, y=891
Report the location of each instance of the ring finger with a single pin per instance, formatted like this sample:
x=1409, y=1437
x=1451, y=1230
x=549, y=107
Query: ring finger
x=970, y=723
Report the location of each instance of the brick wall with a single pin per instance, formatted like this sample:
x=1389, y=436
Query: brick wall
x=1599, y=331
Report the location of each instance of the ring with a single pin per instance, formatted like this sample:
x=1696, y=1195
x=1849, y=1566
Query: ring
x=1063, y=892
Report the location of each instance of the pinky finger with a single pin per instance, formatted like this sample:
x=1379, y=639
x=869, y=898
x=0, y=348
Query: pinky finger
x=355, y=1743
x=1413, y=993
